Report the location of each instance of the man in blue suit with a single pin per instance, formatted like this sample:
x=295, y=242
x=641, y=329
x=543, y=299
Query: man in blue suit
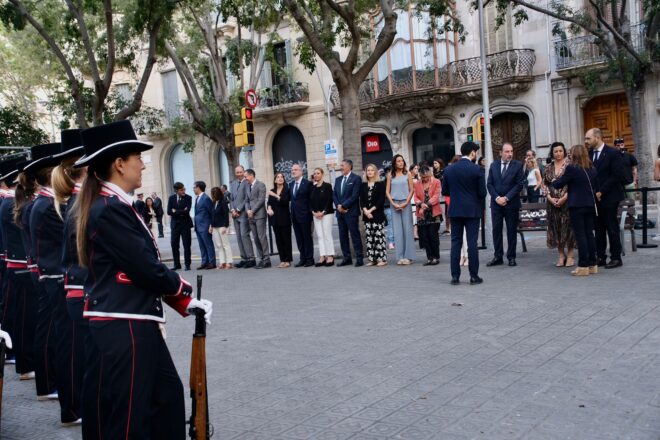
x=346, y=196
x=203, y=215
x=464, y=182
x=301, y=216
x=505, y=181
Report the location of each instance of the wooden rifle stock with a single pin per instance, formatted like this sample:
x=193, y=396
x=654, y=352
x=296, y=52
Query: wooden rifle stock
x=200, y=429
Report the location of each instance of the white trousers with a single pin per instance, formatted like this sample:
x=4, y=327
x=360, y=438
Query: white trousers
x=222, y=247
x=323, y=231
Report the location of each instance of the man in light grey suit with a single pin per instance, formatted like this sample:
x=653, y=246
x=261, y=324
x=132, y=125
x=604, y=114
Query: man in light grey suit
x=256, y=212
x=238, y=209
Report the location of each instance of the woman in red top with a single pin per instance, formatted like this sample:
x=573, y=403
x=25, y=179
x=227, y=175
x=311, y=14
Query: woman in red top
x=429, y=214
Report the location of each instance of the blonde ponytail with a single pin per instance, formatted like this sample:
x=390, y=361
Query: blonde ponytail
x=63, y=180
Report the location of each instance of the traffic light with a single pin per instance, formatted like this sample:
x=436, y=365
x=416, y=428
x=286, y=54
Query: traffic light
x=482, y=129
x=470, y=134
x=244, y=130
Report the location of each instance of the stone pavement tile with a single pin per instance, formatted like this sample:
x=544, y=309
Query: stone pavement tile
x=638, y=434
x=402, y=417
x=324, y=420
x=274, y=427
x=363, y=436
x=353, y=424
x=332, y=435
x=385, y=429
x=444, y=435
x=373, y=413
x=302, y=432
x=415, y=433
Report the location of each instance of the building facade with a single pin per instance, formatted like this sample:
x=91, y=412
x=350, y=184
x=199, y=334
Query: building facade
x=419, y=101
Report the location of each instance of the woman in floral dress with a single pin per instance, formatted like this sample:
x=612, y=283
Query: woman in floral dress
x=560, y=233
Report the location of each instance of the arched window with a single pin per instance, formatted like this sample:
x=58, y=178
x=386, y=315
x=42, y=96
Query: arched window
x=289, y=149
x=223, y=168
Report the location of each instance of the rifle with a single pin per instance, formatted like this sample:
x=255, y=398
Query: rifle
x=200, y=428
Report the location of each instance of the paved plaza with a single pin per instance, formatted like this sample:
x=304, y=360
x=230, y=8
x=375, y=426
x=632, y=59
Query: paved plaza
x=398, y=353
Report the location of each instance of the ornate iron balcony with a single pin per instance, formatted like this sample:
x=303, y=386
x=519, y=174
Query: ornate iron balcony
x=281, y=94
x=503, y=67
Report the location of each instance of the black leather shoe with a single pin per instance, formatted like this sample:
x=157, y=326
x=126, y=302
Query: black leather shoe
x=359, y=263
x=428, y=263
x=476, y=280
x=260, y=265
x=512, y=262
x=614, y=263
x=187, y=267
x=435, y=262
x=175, y=267
x=495, y=262
x=239, y=264
x=267, y=264
x=249, y=264
x=455, y=282
x=329, y=263
x=320, y=264
x=300, y=264
x=309, y=264
x=345, y=263
x=202, y=267
x=211, y=266
x=602, y=262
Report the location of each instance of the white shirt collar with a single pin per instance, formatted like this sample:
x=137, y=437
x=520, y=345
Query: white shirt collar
x=299, y=180
x=117, y=191
x=600, y=149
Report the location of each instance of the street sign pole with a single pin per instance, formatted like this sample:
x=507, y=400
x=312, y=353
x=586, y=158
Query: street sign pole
x=488, y=148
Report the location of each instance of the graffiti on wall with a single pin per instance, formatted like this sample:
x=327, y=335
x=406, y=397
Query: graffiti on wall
x=284, y=166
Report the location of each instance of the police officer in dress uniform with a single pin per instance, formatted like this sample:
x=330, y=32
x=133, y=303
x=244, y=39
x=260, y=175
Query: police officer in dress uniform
x=125, y=290
x=46, y=233
x=44, y=342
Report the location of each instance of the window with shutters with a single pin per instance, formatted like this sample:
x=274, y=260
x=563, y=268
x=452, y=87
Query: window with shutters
x=124, y=93
x=170, y=95
x=497, y=39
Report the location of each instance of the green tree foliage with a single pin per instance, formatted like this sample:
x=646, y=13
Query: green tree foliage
x=92, y=40
x=204, y=58
x=340, y=34
x=18, y=128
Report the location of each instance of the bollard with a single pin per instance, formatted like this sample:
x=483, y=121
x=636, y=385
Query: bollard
x=645, y=244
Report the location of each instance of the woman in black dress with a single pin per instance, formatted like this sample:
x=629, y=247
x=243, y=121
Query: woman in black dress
x=280, y=219
x=372, y=202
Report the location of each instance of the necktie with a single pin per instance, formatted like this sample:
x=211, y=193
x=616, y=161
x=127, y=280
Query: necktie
x=295, y=189
x=343, y=185
x=506, y=165
x=196, y=200
x=596, y=154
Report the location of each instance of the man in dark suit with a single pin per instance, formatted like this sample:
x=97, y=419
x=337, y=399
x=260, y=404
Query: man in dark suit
x=301, y=216
x=610, y=176
x=464, y=182
x=203, y=217
x=178, y=208
x=139, y=205
x=158, y=209
x=346, y=196
x=506, y=179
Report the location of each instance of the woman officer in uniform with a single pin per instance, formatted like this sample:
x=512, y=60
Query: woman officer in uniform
x=125, y=290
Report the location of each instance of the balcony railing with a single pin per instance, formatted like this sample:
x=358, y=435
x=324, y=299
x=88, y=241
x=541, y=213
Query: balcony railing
x=503, y=66
x=584, y=50
x=277, y=95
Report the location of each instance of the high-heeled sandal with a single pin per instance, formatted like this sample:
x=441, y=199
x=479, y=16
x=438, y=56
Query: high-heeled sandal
x=570, y=262
x=561, y=262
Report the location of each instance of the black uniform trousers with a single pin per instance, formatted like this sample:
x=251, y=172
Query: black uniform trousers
x=429, y=239
x=8, y=310
x=87, y=368
x=68, y=373
x=303, y=232
x=44, y=340
x=607, y=228
x=140, y=381
x=501, y=214
x=349, y=224
x=181, y=232
x=159, y=219
x=26, y=319
x=471, y=226
x=582, y=222
x=283, y=242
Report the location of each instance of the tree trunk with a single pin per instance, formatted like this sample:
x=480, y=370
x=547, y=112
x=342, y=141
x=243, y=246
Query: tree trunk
x=643, y=152
x=350, y=123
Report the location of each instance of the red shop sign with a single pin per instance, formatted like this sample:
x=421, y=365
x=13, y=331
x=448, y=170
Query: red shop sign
x=373, y=143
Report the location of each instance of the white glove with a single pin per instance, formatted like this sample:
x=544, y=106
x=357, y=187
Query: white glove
x=4, y=335
x=203, y=304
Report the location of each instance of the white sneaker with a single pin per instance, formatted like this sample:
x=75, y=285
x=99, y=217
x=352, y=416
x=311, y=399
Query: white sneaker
x=74, y=423
x=10, y=361
x=51, y=396
x=27, y=376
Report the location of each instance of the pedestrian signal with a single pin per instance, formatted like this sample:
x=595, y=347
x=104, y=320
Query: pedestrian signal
x=470, y=134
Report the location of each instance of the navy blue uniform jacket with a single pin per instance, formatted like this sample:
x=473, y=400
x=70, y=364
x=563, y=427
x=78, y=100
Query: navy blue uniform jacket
x=74, y=274
x=464, y=182
x=47, y=236
x=126, y=278
x=508, y=186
